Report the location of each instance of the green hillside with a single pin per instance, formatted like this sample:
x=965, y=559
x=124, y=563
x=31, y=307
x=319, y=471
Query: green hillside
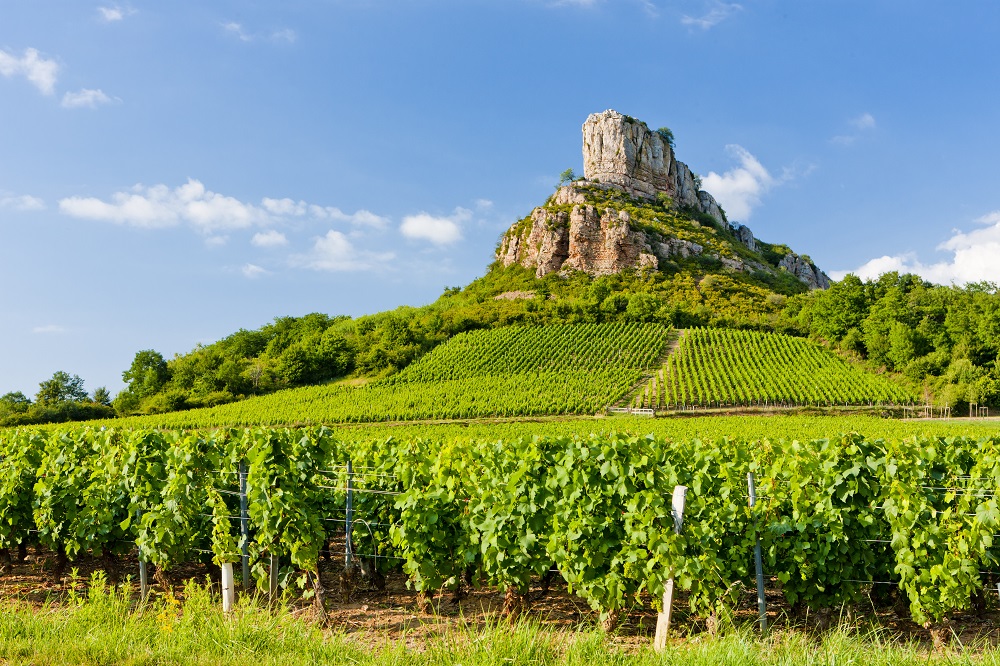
x=505, y=372
x=733, y=368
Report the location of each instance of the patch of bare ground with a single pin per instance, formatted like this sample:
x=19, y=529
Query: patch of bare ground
x=374, y=617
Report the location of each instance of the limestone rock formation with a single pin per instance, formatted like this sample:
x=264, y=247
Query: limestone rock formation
x=746, y=237
x=604, y=243
x=588, y=227
x=805, y=271
x=587, y=239
x=620, y=150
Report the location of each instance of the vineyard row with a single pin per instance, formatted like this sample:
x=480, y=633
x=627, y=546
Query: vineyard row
x=832, y=514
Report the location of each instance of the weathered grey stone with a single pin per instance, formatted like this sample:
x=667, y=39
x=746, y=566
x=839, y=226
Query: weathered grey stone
x=568, y=194
x=805, y=271
x=708, y=204
x=685, y=191
x=745, y=236
x=624, y=152
x=604, y=243
x=677, y=247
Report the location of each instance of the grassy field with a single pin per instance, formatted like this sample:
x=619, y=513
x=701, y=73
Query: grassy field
x=108, y=626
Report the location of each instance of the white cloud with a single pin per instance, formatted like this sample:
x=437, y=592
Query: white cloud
x=270, y=238
x=252, y=271
x=363, y=218
x=85, y=98
x=284, y=207
x=114, y=13
x=334, y=252
x=284, y=35
x=48, y=329
x=111, y=14
x=213, y=215
x=973, y=258
x=237, y=29
x=717, y=13
x=438, y=230
x=740, y=189
x=292, y=208
x=484, y=204
x=42, y=73
x=159, y=206
x=23, y=202
x=863, y=123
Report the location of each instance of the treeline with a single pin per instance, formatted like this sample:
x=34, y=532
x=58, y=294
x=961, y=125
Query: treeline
x=943, y=341
x=59, y=399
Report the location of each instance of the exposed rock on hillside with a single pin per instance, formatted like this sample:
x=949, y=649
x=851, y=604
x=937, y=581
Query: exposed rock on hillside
x=805, y=271
x=623, y=151
x=587, y=226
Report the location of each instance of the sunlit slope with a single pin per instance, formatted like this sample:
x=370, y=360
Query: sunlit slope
x=721, y=368
x=514, y=371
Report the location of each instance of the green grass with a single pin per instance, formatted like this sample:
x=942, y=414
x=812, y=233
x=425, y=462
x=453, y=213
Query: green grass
x=107, y=626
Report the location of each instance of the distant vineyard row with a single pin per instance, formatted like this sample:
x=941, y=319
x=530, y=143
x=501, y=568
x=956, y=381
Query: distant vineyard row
x=722, y=367
x=834, y=517
x=505, y=372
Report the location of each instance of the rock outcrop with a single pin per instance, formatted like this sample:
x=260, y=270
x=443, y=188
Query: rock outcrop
x=586, y=239
x=573, y=233
x=620, y=150
x=805, y=271
x=745, y=236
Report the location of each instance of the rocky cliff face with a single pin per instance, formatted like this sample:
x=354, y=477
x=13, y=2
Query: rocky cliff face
x=578, y=231
x=805, y=271
x=584, y=239
x=620, y=150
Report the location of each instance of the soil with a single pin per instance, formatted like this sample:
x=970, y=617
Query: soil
x=356, y=607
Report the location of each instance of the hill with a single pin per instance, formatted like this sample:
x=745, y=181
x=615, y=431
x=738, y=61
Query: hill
x=504, y=372
x=634, y=240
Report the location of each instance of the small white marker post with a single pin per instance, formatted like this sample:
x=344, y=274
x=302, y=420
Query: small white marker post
x=228, y=588
x=663, y=620
x=272, y=583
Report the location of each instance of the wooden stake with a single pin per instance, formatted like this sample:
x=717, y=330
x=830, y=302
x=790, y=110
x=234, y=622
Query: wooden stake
x=663, y=620
x=228, y=588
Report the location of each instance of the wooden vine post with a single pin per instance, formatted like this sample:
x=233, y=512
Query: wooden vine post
x=228, y=588
x=663, y=620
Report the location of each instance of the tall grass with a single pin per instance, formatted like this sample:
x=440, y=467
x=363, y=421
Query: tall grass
x=106, y=625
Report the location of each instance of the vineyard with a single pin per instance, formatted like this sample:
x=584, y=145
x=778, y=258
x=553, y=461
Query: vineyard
x=836, y=517
x=735, y=368
x=504, y=372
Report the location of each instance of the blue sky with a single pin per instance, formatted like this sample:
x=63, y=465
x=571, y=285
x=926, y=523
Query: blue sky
x=173, y=172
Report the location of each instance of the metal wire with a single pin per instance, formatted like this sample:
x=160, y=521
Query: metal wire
x=362, y=490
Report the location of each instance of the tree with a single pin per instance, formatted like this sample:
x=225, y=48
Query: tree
x=666, y=135
x=14, y=403
x=567, y=176
x=147, y=375
x=63, y=387
x=102, y=396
